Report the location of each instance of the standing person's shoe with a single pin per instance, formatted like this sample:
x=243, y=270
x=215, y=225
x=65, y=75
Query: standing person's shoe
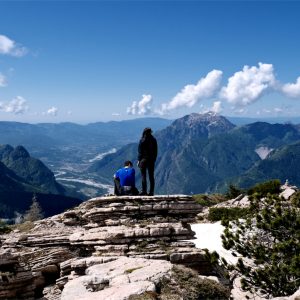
x=142, y=194
x=150, y=194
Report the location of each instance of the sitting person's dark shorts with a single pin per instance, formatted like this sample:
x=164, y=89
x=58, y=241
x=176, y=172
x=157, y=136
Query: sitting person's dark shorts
x=124, y=180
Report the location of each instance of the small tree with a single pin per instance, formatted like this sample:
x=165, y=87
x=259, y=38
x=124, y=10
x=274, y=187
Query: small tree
x=270, y=239
x=35, y=211
x=233, y=191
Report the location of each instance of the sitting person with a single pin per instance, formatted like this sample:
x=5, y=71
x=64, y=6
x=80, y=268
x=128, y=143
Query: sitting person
x=124, y=180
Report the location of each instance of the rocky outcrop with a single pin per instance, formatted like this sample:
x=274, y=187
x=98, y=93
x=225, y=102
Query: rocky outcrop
x=287, y=190
x=242, y=201
x=16, y=279
x=117, y=279
x=64, y=247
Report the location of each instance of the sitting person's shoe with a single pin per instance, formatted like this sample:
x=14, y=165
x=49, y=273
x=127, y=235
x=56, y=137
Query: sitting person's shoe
x=142, y=193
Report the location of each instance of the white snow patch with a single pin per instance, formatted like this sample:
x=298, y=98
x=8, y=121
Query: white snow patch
x=263, y=152
x=102, y=155
x=208, y=235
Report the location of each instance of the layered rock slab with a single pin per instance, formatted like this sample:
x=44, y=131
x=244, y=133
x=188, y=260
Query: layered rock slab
x=118, y=279
x=132, y=226
x=16, y=280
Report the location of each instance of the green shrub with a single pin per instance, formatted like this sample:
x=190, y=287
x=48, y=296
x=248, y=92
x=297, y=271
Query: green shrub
x=271, y=239
x=4, y=228
x=295, y=199
x=209, y=200
x=265, y=188
x=185, y=284
x=24, y=227
x=227, y=214
x=145, y=296
x=233, y=192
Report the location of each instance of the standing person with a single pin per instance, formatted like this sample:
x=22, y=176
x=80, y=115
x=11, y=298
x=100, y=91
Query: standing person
x=146, y=160
x=124, y=180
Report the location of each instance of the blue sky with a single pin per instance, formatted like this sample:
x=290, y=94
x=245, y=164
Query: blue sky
x=87, y=61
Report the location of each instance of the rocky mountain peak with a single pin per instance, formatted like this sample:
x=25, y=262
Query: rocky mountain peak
x=196, y=126
x=29, y=169
x=20, y=152
x=208, y=119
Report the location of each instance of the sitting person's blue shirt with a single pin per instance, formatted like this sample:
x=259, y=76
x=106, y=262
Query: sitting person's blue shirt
x=124, y=180
x=126, y=176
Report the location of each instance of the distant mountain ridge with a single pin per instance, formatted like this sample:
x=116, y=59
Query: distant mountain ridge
x=33, y=135
x=30, y=169
x=198, y=152
x=282, y=163
x=72, y=146
x=22, y=175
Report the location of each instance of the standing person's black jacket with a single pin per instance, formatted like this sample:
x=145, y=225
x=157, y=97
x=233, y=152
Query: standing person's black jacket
x=147, y=148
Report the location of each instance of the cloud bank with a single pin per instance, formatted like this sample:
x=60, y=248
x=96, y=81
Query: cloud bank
x=248, y=85
x=10, y=47
x=16, y=106
x=217, y=107
x=52, y=111
x=292, y=90
x=142, y=107
x=243, y=88
x=205, y=88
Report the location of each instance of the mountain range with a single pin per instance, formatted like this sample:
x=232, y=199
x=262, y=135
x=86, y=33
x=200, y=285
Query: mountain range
x=62, y=143
x=205, y=153
x=198, y=153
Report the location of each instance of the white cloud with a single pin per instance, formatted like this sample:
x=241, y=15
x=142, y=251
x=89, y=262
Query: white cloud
x=248, y=85
x=205, y=88
x=240, y=110
x=16, y=106
x=116, y=114
x=10, y=47
x=3, y=81
x=52, y=111
x=243, y=88
x=292, y=89
x=69, y=112
x=217, y=107
x=143, y=107
x=267, y=111
x=278, y=110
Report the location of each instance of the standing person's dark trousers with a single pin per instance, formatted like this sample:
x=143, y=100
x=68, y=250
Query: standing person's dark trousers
x=147, y=165
x=147, y=153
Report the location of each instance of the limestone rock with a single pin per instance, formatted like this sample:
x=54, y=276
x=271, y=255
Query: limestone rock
x=117, y=280
x=16, y=280
x=64, y=248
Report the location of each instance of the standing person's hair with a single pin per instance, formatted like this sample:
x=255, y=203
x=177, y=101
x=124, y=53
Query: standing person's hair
x=147, y=131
